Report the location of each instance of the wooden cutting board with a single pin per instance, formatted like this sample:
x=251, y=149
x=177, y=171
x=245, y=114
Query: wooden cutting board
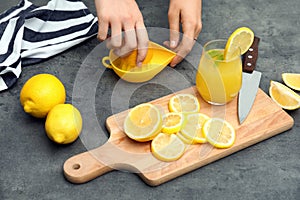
x=265, y=120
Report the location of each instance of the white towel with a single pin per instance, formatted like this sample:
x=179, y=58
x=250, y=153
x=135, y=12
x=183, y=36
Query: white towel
x=29, y=34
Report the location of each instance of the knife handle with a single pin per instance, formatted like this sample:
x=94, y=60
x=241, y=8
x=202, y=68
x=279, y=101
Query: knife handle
x=250, y=57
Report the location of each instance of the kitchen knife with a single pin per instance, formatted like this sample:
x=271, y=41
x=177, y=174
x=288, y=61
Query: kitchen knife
x=250, y=81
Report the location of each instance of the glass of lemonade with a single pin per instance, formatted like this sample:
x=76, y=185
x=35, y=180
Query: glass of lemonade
x=219, y=80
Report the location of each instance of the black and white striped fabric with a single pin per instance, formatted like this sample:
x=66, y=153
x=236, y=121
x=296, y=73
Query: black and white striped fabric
x=30, y=34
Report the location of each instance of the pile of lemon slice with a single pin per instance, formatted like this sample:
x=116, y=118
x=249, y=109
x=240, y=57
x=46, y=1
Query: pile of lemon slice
x=183, y=124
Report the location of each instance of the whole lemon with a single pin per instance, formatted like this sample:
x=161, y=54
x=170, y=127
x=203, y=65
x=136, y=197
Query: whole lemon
x=63, y=123
x=40, y=93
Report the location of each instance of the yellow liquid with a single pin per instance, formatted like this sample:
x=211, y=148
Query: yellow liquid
x=218, y=81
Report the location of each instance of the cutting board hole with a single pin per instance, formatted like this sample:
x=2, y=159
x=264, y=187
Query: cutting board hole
x=76, y=166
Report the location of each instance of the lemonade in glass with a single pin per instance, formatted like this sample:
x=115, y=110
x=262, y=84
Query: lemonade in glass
x=219, y=80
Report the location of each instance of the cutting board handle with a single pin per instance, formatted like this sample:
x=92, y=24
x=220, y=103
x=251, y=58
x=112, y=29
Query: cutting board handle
x=86, y=166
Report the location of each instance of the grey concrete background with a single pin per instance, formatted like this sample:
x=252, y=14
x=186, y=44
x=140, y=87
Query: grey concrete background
x=31, y=165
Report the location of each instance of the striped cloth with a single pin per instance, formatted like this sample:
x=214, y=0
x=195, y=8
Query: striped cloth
x=29, y=34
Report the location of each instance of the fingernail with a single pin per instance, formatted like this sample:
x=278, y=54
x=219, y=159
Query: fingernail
x=139, y=64
x=173, y=65
x=173, y=43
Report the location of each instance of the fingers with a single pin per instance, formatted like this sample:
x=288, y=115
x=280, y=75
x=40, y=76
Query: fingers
x=123, y=42
x=116, y=35
x=188, y=40
x=134, y=37
x=191, y=30
x=174, y=21
x=103, y=23
x=102, y=30
x=128, y=40
x=142, y=42
x=182, y=50
x=122, y=16
x=188, y=14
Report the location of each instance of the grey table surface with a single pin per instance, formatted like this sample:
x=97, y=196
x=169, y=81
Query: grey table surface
x=31, y=165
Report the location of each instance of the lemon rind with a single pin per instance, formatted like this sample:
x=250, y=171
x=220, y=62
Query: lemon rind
x=290, y=93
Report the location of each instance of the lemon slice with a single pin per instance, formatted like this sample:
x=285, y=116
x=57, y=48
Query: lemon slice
x=292, y=80
x=184, y=103
x=172, y=122
x=243, y=38
x=192, y=129
x=143, y=122
x=167, y=147
x=185, y=139
x=284, y=96
x=219, y=133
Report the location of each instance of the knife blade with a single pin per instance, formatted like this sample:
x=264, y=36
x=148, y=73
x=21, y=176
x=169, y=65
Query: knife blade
x=250, y=81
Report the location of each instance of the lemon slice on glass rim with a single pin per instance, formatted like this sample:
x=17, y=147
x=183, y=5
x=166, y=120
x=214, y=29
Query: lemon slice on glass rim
x=284, y=96
x=243, y=38
x=167, y=147
x=143, y=122
x=184, y=103
x=219, y=132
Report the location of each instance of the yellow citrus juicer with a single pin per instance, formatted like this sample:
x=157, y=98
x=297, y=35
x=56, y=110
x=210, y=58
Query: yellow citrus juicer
x=157, y=58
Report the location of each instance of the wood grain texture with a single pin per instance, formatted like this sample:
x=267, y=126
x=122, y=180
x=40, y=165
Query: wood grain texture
x=265, y=120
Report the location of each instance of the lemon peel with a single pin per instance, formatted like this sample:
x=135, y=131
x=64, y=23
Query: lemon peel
x=41, y=93
x=284, y=96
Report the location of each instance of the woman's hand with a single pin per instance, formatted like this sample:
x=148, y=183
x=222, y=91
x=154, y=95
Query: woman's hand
x=188, y=14
x=122, y=15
